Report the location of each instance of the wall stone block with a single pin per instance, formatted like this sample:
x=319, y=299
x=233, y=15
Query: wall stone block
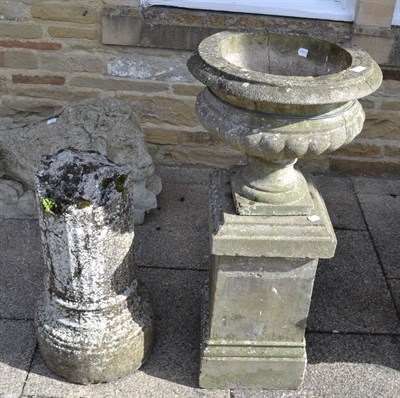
x=375, y=12
x=33, y=45
x=359, y=149
x=12, y=10
x=155, y=135
x=65, y=11
x=382, y=126
x=60, y=93
x=20, y=60
x=3, y=85
x=73, y=33
x=391, y=87
x=20, y=30
x=191, y=90
x=24, y=79
x=215, y=156
x=169, y=66
x=162, y=109
x=74, y=62
x=391, y=106
x=392, y=151
x=366, y=168
x=36, y=108
x=114, y=84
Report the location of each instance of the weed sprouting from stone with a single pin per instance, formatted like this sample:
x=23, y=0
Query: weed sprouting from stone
x=49, y=205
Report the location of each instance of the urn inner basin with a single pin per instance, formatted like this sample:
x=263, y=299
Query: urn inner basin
x=284, y=55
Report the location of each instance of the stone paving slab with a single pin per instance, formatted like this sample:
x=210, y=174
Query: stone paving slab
x=184, y=175
x=382, y=213
x=171, y=249
x=181, y=205
x=341, y=200
x=17, y=344
x=350, y=292
x=378, y=186
x=176, y=234
x=21, y=268
x=172, y=368
x=351, y=295
x=345, y=366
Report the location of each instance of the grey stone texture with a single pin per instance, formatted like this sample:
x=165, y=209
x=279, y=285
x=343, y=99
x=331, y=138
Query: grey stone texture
x=394, y=285
x=152, y=68
x=341, y=200
x=12, y=10
x=185, y=175
x=154, y=26
x=382, y=213
x=179, y=206
x=22, y=268
x=340, y=365
x=107, y=126
x=350, y=291
x=15, y=200
x=172, y=368
x=94, y=320
x=268, y=236
x=261, y=281
x=266, y=99
x=243, y=57
x=377, y=186
x=17, y=344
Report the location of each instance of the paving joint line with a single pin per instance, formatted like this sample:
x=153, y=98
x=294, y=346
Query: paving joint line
x=173, y=268
x=396, y=307
x=350, y=229
x=29, y=369
x=18, y=319
x=374, y=334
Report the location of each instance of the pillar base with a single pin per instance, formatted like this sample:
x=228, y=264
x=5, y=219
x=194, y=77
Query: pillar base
x=273, y=365
x=256, y=307
x=94, y=346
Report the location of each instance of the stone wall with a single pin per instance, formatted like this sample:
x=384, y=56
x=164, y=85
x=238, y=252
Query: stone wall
x=51, y=52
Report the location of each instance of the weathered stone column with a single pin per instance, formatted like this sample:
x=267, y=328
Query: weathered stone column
x=93, y=323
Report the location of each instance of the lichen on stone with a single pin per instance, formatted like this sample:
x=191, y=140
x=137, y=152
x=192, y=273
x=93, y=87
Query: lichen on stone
x=79, y=179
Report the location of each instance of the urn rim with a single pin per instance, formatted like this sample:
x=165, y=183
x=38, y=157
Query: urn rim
x=357, y=75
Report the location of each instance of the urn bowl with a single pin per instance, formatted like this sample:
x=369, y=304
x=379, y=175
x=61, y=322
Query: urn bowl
x=278, y=98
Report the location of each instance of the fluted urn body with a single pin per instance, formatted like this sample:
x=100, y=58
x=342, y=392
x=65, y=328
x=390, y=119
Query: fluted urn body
x=278, y=98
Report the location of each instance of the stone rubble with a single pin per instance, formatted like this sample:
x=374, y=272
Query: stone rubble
x=107, y=126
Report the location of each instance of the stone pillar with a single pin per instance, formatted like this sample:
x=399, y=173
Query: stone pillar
x=373, y=29
x=260, y=100
x=257, y=302
x=94, y=322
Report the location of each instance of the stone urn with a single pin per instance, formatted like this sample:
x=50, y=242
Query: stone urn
x=279, y=98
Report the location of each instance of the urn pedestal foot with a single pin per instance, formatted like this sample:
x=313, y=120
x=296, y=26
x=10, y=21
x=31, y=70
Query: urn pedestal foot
x=271, y=188
x=259, y=293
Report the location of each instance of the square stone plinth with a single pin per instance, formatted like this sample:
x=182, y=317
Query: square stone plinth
x=257, y=301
